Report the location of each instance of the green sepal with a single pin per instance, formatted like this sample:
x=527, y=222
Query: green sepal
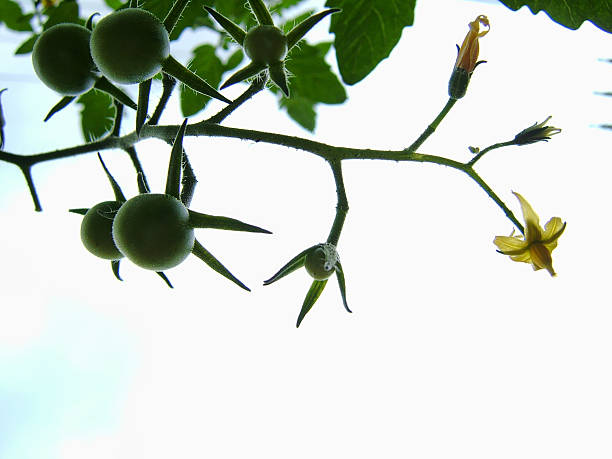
x=261, y=12
x=208, y=258
x=165, y=278
x=199, y=220
x=311, y=298
x=119, y=196
x=174, y=14
x=173, y=182
x=235, y=31
x=458, y=83
x=63, y=103
x=106, y=86
x=188, y=78
x=188, y=181
x=80, y=210
x=89, y=23
x=244, y=73
x=141, y=182
x=115, y=268
x=342, y=284
x=144, y=90
x=295, y=263
x=298, y=32
x=279, y=76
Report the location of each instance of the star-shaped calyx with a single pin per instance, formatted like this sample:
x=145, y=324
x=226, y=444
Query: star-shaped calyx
x=265, y=44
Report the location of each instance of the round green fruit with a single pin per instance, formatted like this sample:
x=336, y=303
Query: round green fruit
x=153, y=231
x=265, y=44
x=130, y=45
x=97, y=230
x=62, y=60
x=321, y=261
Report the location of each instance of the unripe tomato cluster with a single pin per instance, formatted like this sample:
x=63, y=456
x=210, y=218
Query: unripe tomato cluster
x=127, y=46
x=150, y=230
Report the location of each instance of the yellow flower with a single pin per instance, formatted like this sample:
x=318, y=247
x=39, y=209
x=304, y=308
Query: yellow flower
x=467, y=58
x=537, y=244
x=468, y=53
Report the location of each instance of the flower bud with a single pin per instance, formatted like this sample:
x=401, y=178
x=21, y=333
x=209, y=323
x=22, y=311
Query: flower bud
x=467, y=58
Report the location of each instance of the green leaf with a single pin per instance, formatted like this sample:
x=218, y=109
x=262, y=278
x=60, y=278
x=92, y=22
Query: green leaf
x=97, y=114
x=301, y=110
x=312, y=81
x=114, y=4
x=234, y=60
x=26, y=46
x=311, y=298
x=208, y=66
x=66, y=11
x=278, y=7
x=312, y=76
x=366, y=32
x=13, y=18
x=570, y=14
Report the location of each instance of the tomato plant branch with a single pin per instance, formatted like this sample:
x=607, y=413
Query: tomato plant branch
x=481, y=153
x=329, y=152
x=432, y=127
x=342, y=207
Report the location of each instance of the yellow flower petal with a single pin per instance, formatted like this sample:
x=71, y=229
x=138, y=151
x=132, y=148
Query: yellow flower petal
x=509, y=243
x=552, y=231
x=524, y=257
x=533, y=230
x=468, y=53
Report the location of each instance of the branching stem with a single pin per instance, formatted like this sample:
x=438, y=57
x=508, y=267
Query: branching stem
x=333, y=154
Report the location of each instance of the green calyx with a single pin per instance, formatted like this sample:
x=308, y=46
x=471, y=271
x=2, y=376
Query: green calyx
x=265, y=44
x=320, y=261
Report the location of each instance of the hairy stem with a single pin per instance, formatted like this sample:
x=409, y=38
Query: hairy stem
x=333, y=154
x=342, y=207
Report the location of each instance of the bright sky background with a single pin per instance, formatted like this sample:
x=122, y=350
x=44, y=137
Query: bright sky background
x=452, y=349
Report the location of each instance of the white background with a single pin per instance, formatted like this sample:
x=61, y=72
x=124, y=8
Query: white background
x=452, y=349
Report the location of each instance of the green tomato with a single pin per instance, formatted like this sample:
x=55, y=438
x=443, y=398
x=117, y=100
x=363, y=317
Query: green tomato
x=153, y=231
x=321, y=261
x=265, y=44
x=62, y=60
x=129, y=45
x=97, y=230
